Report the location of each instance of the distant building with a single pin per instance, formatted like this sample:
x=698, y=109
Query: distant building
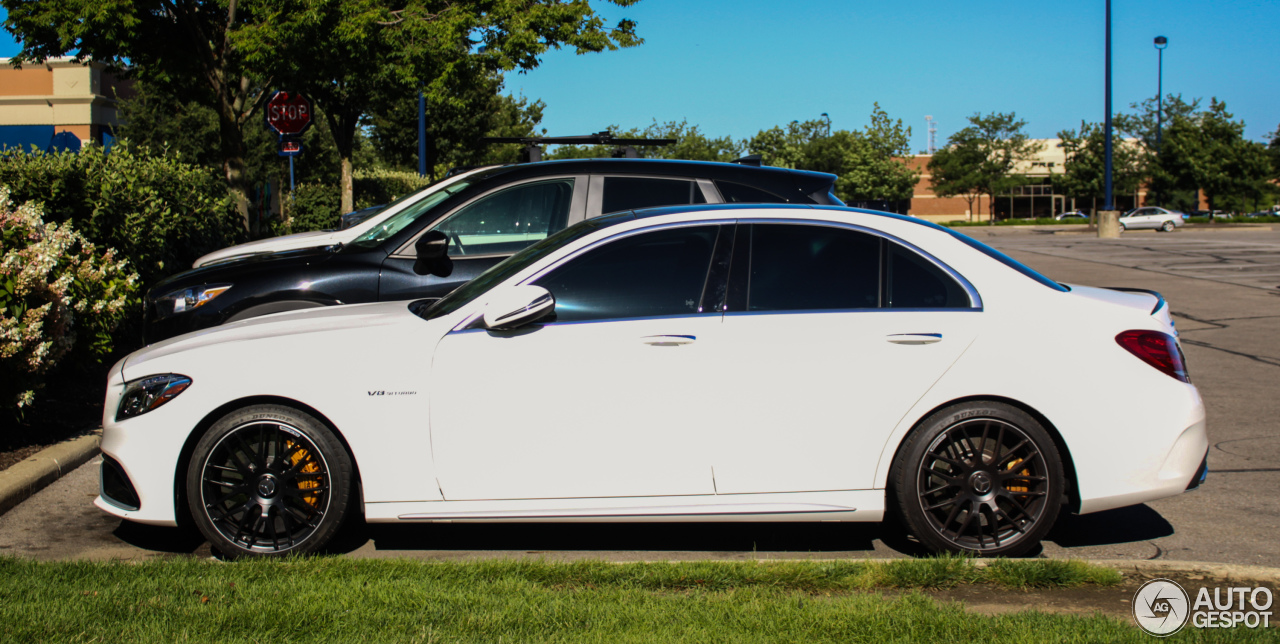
x=1036, y=198
x=58, y=95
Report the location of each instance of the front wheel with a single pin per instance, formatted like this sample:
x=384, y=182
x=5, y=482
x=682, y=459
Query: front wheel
x=1122, y=228
x=981, y=478
x=269, y=480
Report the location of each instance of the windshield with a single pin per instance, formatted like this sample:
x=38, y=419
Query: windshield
x=397, y=222
x=464, y=294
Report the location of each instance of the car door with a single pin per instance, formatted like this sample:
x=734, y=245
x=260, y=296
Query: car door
x=485, y=231
x=832, y=335
x=606, y=400
x=616, y=193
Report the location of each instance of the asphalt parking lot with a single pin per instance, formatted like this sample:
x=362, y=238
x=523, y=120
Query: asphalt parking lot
x=1224, y=290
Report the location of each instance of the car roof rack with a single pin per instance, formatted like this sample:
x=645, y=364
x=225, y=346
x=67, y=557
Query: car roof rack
x=532, y=152
x=751, y=159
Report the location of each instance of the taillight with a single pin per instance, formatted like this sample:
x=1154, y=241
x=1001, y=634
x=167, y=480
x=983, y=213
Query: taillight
x=1157, y=349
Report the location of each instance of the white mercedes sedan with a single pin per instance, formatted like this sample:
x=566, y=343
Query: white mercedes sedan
x=694, y=363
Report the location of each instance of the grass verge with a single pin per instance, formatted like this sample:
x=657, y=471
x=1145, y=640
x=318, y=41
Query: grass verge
x=339, y=599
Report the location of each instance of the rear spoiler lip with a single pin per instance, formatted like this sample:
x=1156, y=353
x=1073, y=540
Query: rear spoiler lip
x=1159, y=298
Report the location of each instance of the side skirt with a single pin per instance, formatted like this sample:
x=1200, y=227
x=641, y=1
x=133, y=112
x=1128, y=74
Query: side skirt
x=843, y=505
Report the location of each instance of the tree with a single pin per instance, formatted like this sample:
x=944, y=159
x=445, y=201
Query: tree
x=868, y=163
x=691, y=144
x=193, y=47
x=455, y=122
x=1084, y=175
x=990, y=148
x=359, y=53
x=953, y=170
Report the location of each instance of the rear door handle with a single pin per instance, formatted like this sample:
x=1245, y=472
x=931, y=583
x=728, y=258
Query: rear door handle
x=668, y=340
x=915, y=338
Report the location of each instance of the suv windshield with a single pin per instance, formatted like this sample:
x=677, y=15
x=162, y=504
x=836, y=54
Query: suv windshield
x=471, y=290
x=397, y=222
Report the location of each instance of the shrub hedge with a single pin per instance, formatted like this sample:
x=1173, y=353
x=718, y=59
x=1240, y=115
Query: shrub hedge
x=156, y=211
x=60, y=295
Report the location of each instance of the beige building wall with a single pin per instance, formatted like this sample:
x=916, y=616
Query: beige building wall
x=62, y=93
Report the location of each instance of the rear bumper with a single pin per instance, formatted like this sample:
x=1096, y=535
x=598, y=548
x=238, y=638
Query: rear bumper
x=1184, y=468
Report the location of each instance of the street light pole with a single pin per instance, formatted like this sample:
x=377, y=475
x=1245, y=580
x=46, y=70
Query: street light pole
x=1161, y=42
x=1108, y=204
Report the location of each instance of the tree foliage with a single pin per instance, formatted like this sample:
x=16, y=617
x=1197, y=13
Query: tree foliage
x=984, y=155
x=1084, y=175
x=868, y=164
x=691, y=144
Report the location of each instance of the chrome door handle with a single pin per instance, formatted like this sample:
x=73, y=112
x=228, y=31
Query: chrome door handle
x=668, y=340
x=915, y=338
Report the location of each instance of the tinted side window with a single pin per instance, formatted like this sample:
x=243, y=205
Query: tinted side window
x=645, y=275
x=738, y=193
x=629, y=193
x=507, y=221
x=917, y=283
x=800, y=267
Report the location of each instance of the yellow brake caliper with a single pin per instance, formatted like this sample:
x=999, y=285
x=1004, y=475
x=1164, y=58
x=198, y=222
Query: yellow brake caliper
x=310, y=468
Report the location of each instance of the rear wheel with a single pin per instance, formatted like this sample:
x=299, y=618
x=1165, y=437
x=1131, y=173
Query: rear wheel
x=982, y=478
x=269, y=480
x=1167, y=226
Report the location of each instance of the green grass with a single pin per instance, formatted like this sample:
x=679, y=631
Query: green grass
x=342, y=600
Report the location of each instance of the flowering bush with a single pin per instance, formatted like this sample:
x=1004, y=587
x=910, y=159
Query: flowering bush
x=58, y=294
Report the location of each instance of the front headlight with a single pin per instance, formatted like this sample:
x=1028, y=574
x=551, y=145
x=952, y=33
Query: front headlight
x=144, y=394
x=187, y=298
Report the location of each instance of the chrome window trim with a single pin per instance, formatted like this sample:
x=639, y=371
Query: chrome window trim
x=576, y=204
x=472, y=317
x=975, y=299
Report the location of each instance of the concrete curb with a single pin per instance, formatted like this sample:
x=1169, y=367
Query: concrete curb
x=1128, y=567
x=20, y=481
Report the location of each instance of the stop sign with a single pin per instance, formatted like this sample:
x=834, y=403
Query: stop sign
x=288, y=113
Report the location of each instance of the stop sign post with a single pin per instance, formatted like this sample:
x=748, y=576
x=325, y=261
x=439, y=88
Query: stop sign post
x=289, y=114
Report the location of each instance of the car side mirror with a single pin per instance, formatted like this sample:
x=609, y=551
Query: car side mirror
x=433, y=255
x=516, y=307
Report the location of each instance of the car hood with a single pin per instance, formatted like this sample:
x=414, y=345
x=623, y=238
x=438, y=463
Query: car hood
x=375, y=318
x=276, y=244
x=236, y=267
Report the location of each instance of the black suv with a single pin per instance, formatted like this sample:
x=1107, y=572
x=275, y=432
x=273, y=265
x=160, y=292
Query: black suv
x=484, y=218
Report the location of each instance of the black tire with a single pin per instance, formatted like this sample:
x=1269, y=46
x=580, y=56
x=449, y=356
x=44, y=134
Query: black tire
x=269, y=480
x=1122, y=228
x=1167, y=226
x=981, y=460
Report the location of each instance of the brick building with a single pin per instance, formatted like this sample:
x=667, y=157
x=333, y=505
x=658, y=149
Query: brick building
x=58, y=95
x=1036, y=198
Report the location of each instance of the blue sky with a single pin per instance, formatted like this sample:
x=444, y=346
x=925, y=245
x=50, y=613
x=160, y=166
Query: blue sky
x=734, y=67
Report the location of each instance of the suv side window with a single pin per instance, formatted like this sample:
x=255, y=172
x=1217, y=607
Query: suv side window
x=798, y=267
x=630, y=193
x=509, y=220
x=739, y=193
x=645, y=275
x=914, y=282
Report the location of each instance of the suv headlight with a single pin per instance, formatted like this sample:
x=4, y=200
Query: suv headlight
x=144, y=394
x=187, y=298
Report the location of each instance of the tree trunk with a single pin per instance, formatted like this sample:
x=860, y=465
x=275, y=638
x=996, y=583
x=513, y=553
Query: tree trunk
x=343, y=127
x=231, y=139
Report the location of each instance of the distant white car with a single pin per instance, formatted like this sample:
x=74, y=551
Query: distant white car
x=321, y=238
x=1152, y=217
x=719, y=362
x=1074, y=214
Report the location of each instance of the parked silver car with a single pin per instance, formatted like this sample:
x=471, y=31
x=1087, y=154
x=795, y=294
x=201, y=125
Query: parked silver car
x=1152, y=217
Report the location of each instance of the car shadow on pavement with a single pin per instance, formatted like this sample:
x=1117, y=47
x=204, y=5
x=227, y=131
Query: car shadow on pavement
x=659, y=537
x=179, y=540
x=1122, y=525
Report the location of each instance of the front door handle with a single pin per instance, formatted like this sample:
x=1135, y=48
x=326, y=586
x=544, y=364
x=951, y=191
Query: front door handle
x=915, y=338
x=668, y=340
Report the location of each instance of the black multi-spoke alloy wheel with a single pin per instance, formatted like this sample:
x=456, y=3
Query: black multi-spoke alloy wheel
x=269, y=480
x=982, y=478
